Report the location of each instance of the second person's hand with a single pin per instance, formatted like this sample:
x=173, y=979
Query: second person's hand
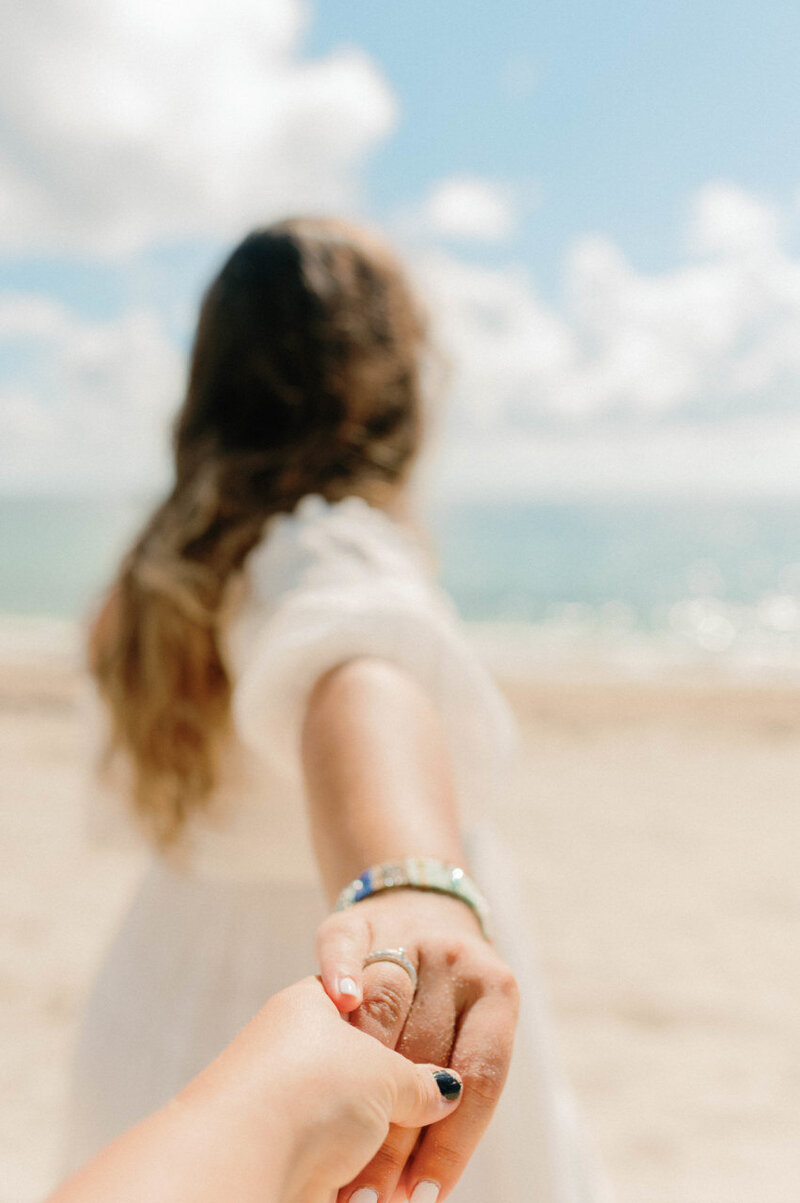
x=289, y=1111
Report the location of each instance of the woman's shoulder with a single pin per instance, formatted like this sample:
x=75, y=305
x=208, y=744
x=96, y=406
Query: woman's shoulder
x=334, y=542
x=336, y=580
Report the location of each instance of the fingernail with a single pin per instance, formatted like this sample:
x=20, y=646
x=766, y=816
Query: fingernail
x=348, y=986
x=425, y=1192
x=449, y=1088
x=364, y=1194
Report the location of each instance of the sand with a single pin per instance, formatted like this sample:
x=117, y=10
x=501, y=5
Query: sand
x=658, y=826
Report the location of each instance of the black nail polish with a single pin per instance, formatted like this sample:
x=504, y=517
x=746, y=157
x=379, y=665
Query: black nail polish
x=449, y=1087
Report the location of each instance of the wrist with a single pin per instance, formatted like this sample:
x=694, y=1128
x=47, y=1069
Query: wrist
x=425, y=874
x=244, y=1129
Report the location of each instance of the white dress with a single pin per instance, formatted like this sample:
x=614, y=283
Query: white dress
x=209, y=937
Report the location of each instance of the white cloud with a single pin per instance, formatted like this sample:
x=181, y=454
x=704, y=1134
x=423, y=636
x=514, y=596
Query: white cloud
x=716, y=335
x=727, y=219
x=505, y=348
x=687, y=378
x=91, y=403
x=753, y=456
x=468, y=208
x=130, y=122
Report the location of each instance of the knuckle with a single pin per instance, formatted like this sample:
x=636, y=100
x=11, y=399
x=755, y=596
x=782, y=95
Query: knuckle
x=424, y=1090
x=387, y=1003
x=507, y=986
x=387, y=1162
x=363, y=1115
x=484, y=1082
x=499, y=980
x=339, y=926
x=447, y=1156
x=330, y=928
x=454, y=952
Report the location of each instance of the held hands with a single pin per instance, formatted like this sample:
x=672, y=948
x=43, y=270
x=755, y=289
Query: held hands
x=337, y=1089
x=463, y=1014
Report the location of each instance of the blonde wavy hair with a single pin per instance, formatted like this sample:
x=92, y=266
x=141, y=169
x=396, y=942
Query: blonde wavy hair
x=304, y=377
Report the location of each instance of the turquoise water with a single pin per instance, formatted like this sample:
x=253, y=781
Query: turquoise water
x=498, y=562
x=531, y=561
x=56, y=552
x=712, y=572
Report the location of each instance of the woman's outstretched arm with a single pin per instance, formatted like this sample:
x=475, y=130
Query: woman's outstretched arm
x=377, y=771
x=380, y=787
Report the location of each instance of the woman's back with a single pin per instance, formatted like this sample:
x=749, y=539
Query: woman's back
x=271, y=562
x=327, y=582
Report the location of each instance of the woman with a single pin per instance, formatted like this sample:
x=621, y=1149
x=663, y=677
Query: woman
x=290, y=704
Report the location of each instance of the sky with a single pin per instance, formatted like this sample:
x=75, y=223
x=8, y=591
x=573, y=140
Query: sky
x=600, y=204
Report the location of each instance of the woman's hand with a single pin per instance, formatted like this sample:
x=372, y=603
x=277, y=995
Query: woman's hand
x=289, y=1111
x=463, y=1014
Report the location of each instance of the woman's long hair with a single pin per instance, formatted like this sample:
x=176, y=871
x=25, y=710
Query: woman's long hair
x=304, y=378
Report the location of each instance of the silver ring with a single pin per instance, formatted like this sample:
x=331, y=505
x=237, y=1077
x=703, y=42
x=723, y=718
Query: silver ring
x=397, y=956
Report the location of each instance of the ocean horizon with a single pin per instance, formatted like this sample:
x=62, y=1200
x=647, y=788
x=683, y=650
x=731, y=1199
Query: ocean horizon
x=640, y=581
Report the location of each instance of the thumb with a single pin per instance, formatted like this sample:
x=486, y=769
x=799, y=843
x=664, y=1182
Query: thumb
x=341, y=945
x=425, y=1093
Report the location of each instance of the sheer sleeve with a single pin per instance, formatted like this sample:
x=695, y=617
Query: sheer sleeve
x=332, y=582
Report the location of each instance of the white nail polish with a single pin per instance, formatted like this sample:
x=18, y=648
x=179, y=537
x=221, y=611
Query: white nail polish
x=425, y=1192
x=348, y=986
x=364, y=1194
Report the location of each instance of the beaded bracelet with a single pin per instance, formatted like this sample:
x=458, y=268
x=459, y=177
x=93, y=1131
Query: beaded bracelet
x=418, y=873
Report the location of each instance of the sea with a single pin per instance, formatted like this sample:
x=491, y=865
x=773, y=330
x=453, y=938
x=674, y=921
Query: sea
x=644, y=586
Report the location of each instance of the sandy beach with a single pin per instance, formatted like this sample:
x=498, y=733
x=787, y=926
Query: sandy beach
x=658, y=826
